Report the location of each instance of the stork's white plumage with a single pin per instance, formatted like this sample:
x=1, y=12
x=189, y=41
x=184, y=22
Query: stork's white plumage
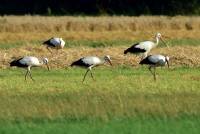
x=91, y=61
x=28, y=62
x=155, y=61
x=145, y=46
x=57, y=43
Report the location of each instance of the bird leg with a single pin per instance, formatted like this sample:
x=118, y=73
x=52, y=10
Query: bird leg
x=49, y=50
x=31, y=76
x=154, y=73
x=144, y=56
x=92, y=75
x=151, y=70
x=26, y=74
x=85, y=75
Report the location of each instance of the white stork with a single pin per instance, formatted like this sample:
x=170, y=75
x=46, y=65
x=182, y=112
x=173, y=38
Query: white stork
x=155, y=61
x=91, y=61
x=28, y=62
x=144, y=47
x=57, y=43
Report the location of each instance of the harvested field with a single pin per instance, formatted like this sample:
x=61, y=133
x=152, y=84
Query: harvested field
x=103, y=23
x=123, y=99
x=179, y=56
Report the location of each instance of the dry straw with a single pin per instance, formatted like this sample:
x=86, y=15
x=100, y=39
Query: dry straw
x=186, y=56
x=115, y=23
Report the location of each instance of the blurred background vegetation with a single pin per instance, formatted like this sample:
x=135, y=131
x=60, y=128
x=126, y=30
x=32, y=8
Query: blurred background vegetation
x=100, y=7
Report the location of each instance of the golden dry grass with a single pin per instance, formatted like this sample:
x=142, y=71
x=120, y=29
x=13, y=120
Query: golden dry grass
x=103, y=23
x=179, y=56
x=38, y=27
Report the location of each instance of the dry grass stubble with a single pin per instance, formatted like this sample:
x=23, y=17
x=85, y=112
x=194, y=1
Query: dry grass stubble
x=179, y=56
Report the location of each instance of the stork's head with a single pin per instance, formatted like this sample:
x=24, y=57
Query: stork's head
x=107, y=59
x=158, y=35
x=167, y=60
x=45, y=61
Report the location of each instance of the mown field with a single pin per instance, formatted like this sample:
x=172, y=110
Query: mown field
x=123, y=99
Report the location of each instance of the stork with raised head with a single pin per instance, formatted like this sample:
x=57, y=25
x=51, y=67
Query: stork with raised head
x=28, y=62
x=91, y=61
x=56, y=43
x=155, y=61
x=145, y=46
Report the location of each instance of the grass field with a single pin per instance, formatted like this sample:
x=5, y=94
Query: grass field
x=137, y=125
x=123, y=99
x=127, y=99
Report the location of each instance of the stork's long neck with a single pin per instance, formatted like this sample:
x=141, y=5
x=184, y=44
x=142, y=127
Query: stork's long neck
x=157, y=41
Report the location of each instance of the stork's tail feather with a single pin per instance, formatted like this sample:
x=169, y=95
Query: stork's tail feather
x=142, y=61
x=13, y=63
x=74, y=63
x=16, y=62
x=126, y=51
x=46, y=42
x=145, y=61
x=78, y=63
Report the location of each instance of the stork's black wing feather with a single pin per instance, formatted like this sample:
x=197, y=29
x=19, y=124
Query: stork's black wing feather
x=48, y=43
x=134, y=49
x=147, y=61
x=80, y=63
x=17, y=63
